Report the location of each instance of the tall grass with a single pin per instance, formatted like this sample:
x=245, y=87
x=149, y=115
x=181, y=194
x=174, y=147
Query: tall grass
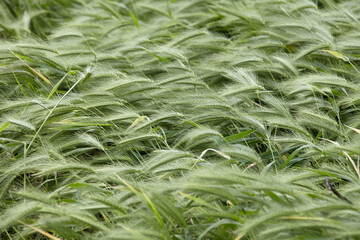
x=179, y=119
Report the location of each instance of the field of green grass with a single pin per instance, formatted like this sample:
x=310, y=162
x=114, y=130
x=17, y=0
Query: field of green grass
x=179, y=119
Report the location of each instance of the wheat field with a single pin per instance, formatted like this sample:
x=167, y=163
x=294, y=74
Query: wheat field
x=187, y=119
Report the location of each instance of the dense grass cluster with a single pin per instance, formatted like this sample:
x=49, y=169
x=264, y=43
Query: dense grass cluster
x=188, y=119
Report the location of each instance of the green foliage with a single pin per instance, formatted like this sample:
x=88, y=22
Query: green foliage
x=179, y=119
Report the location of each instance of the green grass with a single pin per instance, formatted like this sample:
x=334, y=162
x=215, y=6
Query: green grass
x=179, y=119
